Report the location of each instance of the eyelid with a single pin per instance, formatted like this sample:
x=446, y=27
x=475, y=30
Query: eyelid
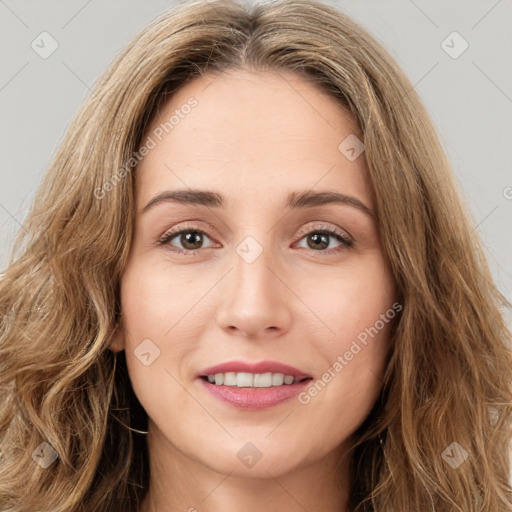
x=346, y=239
x=185, y=226
x=325, y=227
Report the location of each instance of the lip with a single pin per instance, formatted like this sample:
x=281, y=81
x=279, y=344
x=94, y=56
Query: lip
x=260, y=367
x=254, y=398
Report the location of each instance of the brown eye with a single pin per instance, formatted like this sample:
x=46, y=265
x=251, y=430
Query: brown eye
x=189, y=239
x=319, y=239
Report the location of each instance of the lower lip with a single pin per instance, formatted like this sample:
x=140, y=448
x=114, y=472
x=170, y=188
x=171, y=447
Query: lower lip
x=255, y=398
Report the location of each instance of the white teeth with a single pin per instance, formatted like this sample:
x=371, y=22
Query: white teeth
x=230, y=379
x=251, y=380
x=263, y=380
x=277, y=379
x=244, y=380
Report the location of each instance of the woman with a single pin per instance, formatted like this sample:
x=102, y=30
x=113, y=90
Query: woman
x=248, y=281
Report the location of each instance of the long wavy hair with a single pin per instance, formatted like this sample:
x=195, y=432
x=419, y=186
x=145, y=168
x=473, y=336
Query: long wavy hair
x=447, y=387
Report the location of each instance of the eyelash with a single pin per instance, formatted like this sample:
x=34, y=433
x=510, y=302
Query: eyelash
x=347, y=242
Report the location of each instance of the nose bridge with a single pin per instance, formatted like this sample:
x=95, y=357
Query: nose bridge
x=255, y=298
x=252, y=264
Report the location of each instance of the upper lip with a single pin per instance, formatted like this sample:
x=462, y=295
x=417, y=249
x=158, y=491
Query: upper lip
x=260, y=367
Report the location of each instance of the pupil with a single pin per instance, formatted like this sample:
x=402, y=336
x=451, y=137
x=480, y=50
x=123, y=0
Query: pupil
x=190, y=238
x=321, y=238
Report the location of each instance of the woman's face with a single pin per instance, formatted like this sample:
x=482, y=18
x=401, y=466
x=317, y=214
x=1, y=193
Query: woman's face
x=253, y=278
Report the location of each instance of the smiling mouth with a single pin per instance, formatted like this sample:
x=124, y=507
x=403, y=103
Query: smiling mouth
x=252, y=380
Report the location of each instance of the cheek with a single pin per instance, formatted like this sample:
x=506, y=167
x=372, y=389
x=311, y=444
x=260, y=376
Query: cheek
x=348, y=299
x=163, y=317
x=356, y=309
x=348, y=384
x=155, y=299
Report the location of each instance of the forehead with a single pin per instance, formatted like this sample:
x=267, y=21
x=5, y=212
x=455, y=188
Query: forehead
x=246, y=130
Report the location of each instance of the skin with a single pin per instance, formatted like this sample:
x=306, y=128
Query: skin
x=254, y=138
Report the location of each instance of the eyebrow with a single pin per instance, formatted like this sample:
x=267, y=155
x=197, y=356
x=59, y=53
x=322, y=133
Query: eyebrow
x=295, y=200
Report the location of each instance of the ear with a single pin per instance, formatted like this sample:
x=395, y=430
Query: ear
x=117, y=342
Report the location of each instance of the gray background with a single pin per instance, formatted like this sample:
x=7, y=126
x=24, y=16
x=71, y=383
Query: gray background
x=469, y=97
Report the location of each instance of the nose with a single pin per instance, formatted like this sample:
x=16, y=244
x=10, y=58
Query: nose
x=257, y=301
